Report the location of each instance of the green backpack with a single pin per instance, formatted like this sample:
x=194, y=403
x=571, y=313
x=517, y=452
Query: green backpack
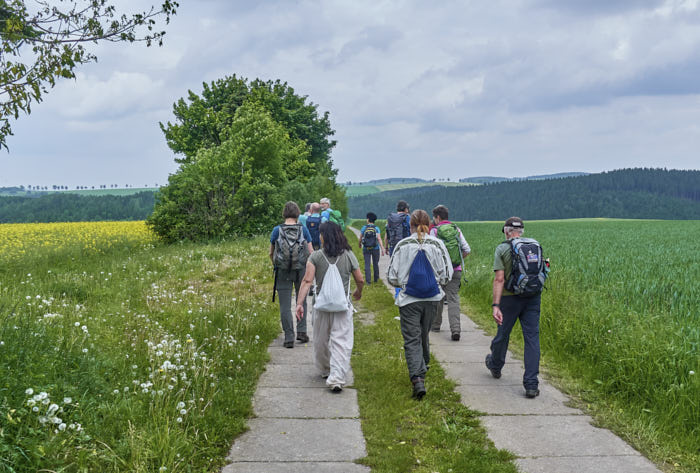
x=336, y=217
x=449, y=234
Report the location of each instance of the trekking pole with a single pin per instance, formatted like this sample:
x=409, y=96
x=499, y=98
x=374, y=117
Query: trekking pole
x=274, y=286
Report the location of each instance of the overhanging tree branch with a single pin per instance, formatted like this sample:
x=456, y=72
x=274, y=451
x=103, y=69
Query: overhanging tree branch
x=49, y=44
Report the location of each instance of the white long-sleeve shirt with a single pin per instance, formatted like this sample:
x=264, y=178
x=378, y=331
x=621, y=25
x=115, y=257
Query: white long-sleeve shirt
x=402, y=259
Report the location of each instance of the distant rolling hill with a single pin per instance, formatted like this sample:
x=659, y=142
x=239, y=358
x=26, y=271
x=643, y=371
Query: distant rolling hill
x=394, y=183
x=625, y=193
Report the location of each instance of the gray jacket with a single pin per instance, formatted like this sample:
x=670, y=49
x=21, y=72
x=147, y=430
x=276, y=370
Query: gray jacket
x=402, y=258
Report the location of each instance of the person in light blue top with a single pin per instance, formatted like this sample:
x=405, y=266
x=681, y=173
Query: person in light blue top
x=307, y=212
x=325, y=209
x=372, y=247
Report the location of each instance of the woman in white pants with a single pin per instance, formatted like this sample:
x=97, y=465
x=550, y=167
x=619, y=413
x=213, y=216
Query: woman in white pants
x=332, y=330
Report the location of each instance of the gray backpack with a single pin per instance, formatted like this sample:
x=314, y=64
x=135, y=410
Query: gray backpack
x=291, y=251
x=529, y=270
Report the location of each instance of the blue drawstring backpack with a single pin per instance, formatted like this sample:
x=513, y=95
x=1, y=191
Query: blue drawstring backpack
x=421, y=278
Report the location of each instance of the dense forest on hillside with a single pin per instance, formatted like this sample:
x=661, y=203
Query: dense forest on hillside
x=76, y=208
x=625, y=193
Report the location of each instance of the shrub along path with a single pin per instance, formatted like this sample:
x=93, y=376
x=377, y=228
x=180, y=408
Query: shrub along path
x=300, y=425
x=544, y=433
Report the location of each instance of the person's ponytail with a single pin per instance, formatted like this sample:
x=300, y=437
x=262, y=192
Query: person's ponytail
x=420, y=223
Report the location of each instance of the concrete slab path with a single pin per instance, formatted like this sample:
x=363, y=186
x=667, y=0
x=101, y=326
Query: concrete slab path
x=300, y=425
x=544, y=433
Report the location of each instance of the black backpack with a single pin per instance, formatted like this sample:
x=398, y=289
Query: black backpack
x=396, y=227
x=369, y=237
x=529, y=270
x=291, y=251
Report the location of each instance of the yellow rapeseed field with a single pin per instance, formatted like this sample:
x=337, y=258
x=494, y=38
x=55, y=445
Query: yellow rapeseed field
x=21, y=239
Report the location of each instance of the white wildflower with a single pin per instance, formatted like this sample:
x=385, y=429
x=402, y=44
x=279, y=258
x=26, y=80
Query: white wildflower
x=29, y=392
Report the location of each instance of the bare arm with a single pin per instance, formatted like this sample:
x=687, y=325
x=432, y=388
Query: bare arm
x=304, y=288
x=498, y=280
x=309, y=247
x=360, y=282
x=272, y=252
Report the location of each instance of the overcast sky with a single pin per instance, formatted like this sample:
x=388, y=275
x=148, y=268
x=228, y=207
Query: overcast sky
x=414, y=89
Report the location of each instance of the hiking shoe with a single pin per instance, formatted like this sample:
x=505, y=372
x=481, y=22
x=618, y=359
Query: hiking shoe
x=495, y=373
x=418, y=388
x=455, y=336
x=336, y=388
x=532, y=393
x=302, y=337
x=288, y=344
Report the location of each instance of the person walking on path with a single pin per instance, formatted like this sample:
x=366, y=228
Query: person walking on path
x=515, y=300
x=307, y=212
x=398, y=226
x=313, y=222
x=419, y=266
x=333, y=329
x=290, y=247
x=458, y=249
x=372, y=247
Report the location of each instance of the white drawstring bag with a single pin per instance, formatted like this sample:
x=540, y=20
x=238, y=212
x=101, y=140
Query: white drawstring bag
x=332, y=297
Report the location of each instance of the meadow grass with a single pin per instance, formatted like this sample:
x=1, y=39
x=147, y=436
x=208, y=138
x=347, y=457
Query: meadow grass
x=130, y=356
x=437, y=434
x=620, y=327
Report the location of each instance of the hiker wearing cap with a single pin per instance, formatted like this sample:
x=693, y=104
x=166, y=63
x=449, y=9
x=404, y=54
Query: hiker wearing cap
x=419, y=266
x=458, y=249
x=290, y=247
x=519, y=274
x=331, y=268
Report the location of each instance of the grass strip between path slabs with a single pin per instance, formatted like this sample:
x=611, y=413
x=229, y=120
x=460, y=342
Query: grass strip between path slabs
x=437, y=433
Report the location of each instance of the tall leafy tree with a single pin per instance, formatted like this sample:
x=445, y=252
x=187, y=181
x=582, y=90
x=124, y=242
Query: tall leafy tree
x=201, y=121
x=42, y=43
x=234, y=187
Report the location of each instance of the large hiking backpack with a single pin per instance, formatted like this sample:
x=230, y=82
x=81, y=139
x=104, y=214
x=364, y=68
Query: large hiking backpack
x=449, y=234
x=529, y=269
x=313, y=224
x=332, y=297
x=291, y=251
x=369, y=238
x=397, y=228
x=336, y=217
x=421, y=278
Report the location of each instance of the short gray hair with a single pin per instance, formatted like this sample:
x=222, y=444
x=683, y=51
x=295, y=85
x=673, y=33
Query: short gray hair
x=325, y=200
x=509, y=230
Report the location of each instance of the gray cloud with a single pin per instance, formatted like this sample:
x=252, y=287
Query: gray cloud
x=446, y=89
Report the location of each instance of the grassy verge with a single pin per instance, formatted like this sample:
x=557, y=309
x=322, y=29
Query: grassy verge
x=130, y=358
x=437, y=434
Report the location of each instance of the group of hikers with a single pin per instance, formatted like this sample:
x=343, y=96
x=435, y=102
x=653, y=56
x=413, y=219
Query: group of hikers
x=311, y=254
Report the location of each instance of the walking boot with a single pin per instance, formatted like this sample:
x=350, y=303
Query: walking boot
x=302, y=337
x=418, y=387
